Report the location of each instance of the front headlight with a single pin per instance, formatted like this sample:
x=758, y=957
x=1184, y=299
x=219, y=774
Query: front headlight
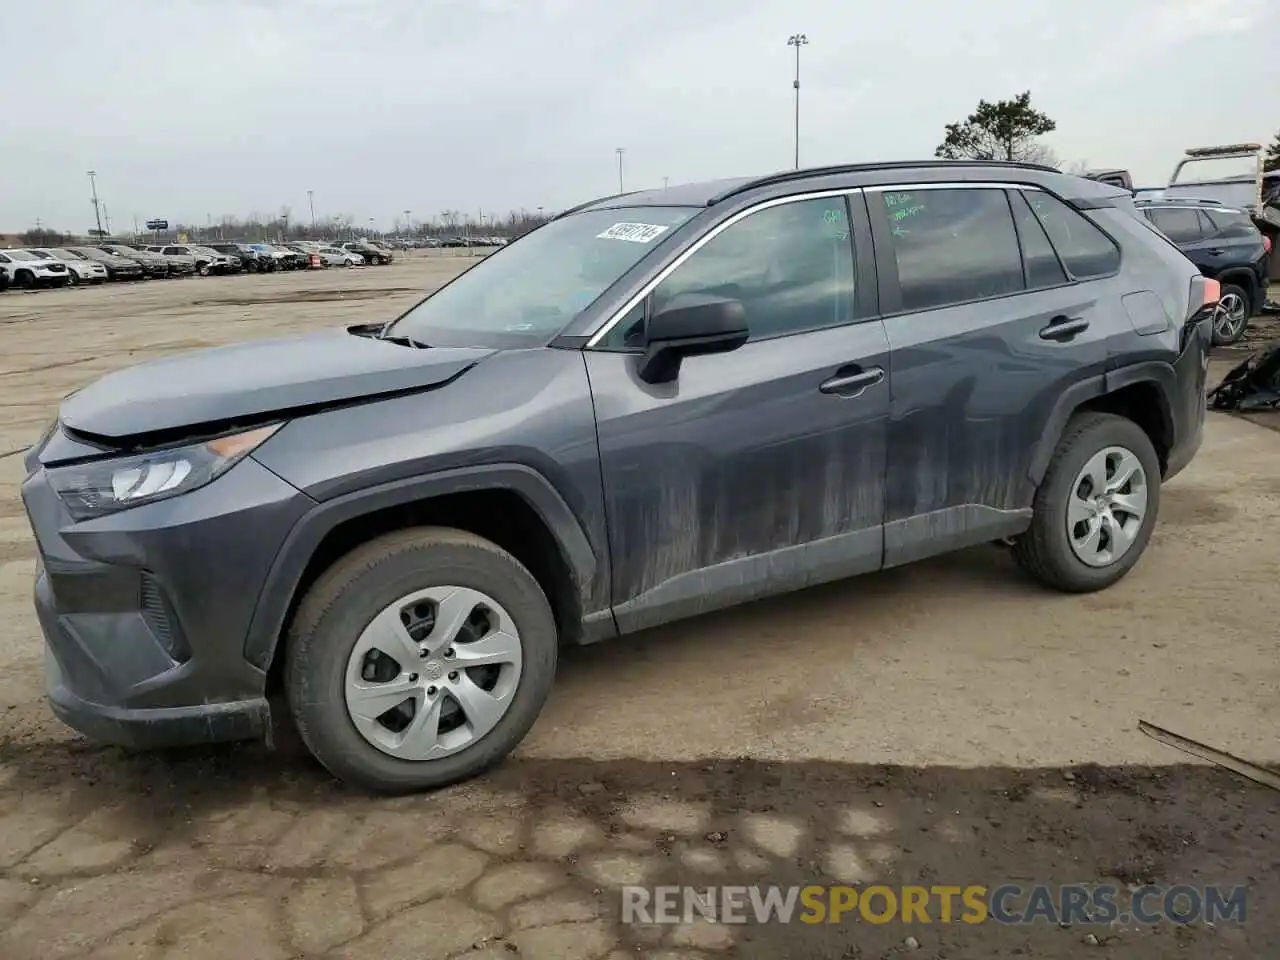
x=104, y=486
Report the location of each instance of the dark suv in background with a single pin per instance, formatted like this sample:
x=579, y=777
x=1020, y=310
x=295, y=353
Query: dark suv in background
x=252, y=260
x=1226, y=245
x=655, y=405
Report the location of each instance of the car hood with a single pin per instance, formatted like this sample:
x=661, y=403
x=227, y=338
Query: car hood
x=255, y=381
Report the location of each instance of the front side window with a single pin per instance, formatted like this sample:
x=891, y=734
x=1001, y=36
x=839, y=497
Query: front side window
x=952, y=245
x=1179, y=224
x=790, y=265
x=531, y=289
x=1086, y=251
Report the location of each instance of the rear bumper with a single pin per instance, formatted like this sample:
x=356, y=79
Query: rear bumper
x=1191, y=372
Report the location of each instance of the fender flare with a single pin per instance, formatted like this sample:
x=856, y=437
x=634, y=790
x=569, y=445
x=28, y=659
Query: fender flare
x=1156, y=372
x=309, y=531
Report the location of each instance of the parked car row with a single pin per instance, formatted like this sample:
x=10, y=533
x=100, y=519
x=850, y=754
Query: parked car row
x=459, y=241
x=32, y=267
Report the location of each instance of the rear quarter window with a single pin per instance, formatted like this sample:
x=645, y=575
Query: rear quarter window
x=1082, y=246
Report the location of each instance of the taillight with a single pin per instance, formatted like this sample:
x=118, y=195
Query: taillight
x=1212, y=293
x=1266, y=243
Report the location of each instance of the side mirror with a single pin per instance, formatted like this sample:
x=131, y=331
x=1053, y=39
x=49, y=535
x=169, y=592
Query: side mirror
x=691, y=325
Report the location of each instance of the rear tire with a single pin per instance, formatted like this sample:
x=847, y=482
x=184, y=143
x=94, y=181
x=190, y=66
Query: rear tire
x=335, y=616
x=1052, y=550
x=1231, y=318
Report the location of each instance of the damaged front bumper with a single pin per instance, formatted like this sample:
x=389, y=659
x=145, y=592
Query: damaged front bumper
x=144, y=635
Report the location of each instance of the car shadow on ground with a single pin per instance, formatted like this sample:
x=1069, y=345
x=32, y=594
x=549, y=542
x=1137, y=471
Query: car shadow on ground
x=262, y=822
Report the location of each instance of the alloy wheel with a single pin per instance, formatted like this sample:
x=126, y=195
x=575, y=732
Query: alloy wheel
x=433, y=673
x=1230, y=316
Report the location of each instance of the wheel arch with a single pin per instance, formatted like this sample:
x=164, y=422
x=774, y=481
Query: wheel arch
x=1244, y=278
x=1140, y=392
x=510, y=504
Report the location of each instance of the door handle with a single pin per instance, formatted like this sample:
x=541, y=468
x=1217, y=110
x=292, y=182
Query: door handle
x=852, y=384
x=1064, y=328
x=1216, y=253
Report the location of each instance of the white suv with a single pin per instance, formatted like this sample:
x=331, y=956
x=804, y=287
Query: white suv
x=28, y=270
x=79, y=267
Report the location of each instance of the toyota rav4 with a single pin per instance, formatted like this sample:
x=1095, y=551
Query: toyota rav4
x=656, y=405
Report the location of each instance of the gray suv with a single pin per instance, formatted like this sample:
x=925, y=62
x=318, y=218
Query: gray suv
x=657, y=404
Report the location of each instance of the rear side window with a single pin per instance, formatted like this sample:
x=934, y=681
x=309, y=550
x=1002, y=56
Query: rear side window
x=1230, y=223
x=1179, y=224
x=1043, y=267
x=1084, y=249
x=952, y=246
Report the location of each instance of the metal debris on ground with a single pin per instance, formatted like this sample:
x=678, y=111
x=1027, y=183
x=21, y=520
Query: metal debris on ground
x=1251, y=385
x=1268, y=778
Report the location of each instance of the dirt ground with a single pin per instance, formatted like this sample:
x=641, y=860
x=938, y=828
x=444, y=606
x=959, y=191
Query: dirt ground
x=947, y=723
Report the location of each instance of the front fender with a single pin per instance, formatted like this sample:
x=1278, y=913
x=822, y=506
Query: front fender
x=310, y=530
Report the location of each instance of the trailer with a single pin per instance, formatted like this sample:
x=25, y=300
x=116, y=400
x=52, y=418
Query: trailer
x=1232, y=175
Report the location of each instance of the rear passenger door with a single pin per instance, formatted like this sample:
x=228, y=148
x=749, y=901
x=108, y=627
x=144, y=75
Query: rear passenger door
x=988, y=323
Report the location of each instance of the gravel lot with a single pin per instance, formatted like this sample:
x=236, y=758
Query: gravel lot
x=947, y=723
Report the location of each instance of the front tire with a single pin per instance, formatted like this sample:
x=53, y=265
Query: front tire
x=1096, y=506
x=376, y=667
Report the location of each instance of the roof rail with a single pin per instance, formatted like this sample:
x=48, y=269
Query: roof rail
x=1176, y=199
x=786, y=176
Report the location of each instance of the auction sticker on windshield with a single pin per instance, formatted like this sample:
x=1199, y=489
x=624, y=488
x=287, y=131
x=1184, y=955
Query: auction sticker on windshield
x=633, y=232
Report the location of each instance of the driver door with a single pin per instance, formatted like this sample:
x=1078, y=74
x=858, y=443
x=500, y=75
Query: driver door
x=760, y=470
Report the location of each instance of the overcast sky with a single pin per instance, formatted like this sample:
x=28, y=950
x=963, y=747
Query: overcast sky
x=195, y=108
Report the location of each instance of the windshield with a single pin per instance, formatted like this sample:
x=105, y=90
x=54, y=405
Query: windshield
x=23, y=255
x=62, y=254
x=530, y=290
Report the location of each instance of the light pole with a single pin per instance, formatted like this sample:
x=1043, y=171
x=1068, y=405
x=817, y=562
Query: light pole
x=97, y=214
x=408, y=223
x=797, y=40
x=311, y=202
x=665, y=181
x=620, y=152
